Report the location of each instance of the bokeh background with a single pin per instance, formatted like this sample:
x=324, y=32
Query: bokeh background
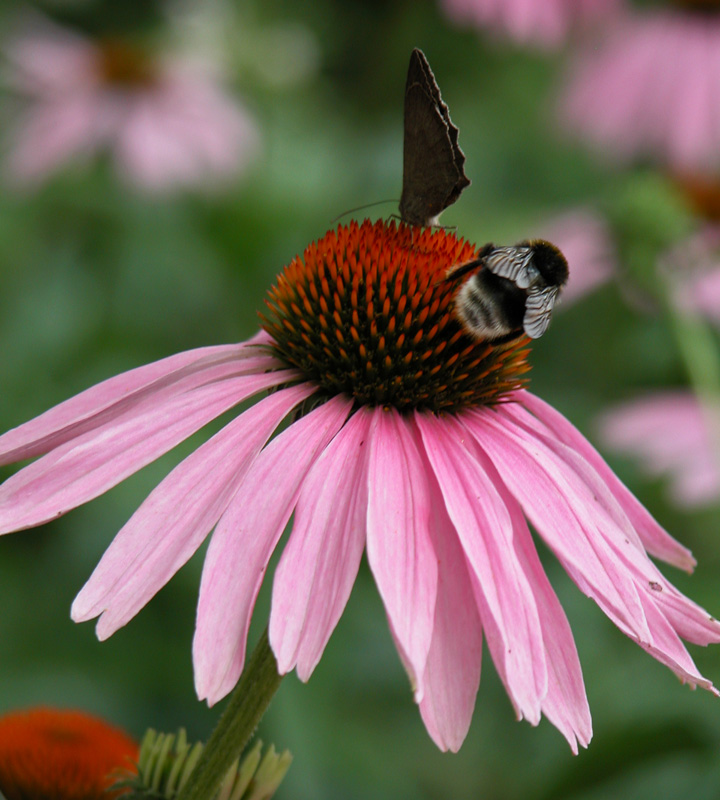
x=108, y=261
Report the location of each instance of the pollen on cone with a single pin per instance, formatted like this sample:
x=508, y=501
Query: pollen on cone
x=49, y=754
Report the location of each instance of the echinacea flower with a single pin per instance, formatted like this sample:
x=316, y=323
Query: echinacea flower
x=545, y=23
x=670, y=434
x=64, y=755
x=406, y=439
x=652, y=88
x=165, y=121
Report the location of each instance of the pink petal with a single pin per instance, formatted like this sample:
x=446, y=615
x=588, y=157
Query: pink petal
x=321, y=559
x=669, y=432
x=565, y=512
x=452, y=671
x=565, y=704
x=544, y=23
x=585, y=240
x=604, y=505
x=177, y=516
x=670, y=651
x=51, y=133
x=483, y=525
x=612, y=544
x=185, y=130
x=90, y=464
x=689, y=620
x=244, y=540
x=48, y=59
x=652, y=88
x=399, y=547
x=120, y=394
x=655, y=539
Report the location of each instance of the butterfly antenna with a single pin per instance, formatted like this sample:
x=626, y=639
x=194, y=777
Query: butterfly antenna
x=360, y=208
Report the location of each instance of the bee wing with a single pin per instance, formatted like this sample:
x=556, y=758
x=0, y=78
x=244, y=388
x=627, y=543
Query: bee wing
x=511, y=263
x=538, y=310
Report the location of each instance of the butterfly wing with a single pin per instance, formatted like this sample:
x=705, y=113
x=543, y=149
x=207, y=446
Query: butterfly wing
x=433, y=173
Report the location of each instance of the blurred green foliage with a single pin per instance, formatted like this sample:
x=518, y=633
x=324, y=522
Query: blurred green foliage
x=97, y=278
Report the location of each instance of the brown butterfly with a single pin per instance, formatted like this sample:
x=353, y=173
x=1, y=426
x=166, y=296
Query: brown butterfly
x=433, y=174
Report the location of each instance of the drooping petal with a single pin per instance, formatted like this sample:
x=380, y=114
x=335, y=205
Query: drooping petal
x=669, y=650
x=452, y=671
x=399, y=548
x=484, y=528
x=177, y=516
x=90, y=464
x=655, y=539
x=595, y=515
x=244, y=540
x=565, y=512
x=123, y=393
x=689, y=620
x=565, y=703
x=320, y=562
x=652, y=586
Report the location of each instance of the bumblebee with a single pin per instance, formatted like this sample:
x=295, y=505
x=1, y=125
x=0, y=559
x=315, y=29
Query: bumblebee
x=511, y=290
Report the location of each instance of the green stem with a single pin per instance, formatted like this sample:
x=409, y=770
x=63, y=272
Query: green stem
x=250, y=698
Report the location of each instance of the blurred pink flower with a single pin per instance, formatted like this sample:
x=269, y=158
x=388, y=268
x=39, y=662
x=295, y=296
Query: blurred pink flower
x=669, y=433
x=652, y=88
x=544, y=23
x=165, y=122
x=416, y=445
x=692, y=269
x=584, y=239
x=702, y=294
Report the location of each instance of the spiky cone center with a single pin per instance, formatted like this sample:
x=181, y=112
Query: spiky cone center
x=368, y=311
x=50, y=754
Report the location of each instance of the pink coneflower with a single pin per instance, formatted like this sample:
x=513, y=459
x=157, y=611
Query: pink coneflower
x=166, y=122
x=408, y=440
x=544, y=23
x=652, y=89
x=672, y=434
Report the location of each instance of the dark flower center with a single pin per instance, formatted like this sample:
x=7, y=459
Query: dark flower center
x=367, y=311
x=122, y=64
x=703, y=6
x=702, y=193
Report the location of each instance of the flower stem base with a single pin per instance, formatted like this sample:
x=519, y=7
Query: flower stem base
x=248, y=702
